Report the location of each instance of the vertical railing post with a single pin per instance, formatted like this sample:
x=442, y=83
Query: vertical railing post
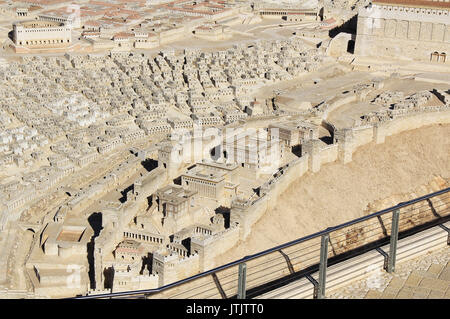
x=323, y=265
x=448, y=232
x=394, y=240
x=241, y=281
x=315, y=284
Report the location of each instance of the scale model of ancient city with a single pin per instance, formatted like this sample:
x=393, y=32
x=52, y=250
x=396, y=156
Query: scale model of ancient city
x=145, y=142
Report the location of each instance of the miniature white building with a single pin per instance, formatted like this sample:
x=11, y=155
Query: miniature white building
x=41, y=34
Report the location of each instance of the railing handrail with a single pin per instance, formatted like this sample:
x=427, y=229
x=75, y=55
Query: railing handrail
x=270, y=250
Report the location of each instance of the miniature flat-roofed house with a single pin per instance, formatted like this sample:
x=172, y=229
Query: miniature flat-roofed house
x=293, y=133
x=216, y=181
x=177, y=206
x=254, y=151
x=127, y=267
x=174, y=201
x=128, y=250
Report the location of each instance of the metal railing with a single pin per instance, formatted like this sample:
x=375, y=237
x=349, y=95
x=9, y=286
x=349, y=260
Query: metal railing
x=267, y=270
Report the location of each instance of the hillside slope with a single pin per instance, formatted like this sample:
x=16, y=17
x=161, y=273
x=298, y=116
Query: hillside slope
x=407, y=165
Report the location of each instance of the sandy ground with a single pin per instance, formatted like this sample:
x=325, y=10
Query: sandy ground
x=339, y=193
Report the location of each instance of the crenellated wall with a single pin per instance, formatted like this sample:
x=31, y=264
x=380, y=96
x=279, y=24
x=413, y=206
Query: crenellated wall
x=180, y=269
x=329, y=154
x=244, y=214
x=209, y=247
x=348, y=141
x=116, y=220
x=362, y=135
